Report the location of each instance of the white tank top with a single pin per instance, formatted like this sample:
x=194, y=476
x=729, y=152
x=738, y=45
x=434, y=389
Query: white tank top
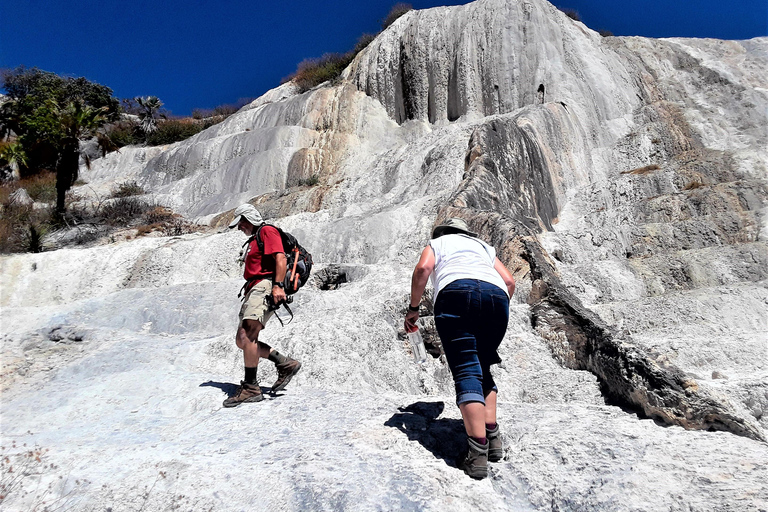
x=463, y=257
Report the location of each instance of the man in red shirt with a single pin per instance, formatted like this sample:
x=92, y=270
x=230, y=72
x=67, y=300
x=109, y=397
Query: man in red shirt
x=264, y=274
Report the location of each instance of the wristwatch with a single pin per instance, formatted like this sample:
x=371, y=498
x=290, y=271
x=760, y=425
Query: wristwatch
x=412, y=308
x=279, y=284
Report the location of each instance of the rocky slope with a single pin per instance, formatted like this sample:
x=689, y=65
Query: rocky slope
x=623, y=180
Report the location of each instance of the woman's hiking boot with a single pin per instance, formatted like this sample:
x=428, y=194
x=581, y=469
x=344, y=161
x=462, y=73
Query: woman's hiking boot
x=245, y=393
x=475, y=463
x=285, y=372
x=495, y=445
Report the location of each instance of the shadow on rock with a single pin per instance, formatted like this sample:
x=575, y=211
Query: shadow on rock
x=444, y=437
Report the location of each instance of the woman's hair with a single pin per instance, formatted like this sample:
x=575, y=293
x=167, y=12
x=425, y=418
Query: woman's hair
x=450, y=231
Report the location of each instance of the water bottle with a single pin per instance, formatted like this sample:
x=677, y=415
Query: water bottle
x=417, y=346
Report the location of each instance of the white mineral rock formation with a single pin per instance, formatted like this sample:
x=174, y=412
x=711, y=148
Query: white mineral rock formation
x=622, y=179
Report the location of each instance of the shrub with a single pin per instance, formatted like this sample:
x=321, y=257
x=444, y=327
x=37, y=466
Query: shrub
x=571, y=13
x=125, y=133
x=605, y=33
x=127, y=189
x=173, y=130
x=158, y=215
x=313, y=72
x=309, y=182
x=397, y=10
x=22, y=228
x=693, y=185
x=362, y=42
x=123, y=210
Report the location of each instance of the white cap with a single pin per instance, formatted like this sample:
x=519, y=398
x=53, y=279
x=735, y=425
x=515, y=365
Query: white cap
x=249, y=213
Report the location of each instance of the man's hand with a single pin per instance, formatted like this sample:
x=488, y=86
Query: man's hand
x=281, y=266
x=278, y=294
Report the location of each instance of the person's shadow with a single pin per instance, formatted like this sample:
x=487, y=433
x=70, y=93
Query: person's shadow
x=444, y=437
x=230, y=389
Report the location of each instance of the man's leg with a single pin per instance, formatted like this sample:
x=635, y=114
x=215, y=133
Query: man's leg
x=286, y=368
x=247, y=339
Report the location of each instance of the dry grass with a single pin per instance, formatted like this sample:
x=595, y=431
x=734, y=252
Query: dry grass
x=22, y=227
x=692, y=185
x=40, y=187
x=22, y=473
x=396, y=12
x=127, y=189
x=643, y=170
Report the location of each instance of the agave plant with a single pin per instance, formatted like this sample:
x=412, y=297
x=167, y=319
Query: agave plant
x=14, y=154
x=150, y=112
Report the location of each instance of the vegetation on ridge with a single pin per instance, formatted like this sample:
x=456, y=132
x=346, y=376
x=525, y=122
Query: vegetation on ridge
x=313, y=72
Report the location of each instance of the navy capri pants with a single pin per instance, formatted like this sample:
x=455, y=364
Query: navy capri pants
x=471, y=317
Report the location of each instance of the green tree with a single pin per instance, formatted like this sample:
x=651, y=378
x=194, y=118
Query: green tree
x=75, y=121
x=28, y=115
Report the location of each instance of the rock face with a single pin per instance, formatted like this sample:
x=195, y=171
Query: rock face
x=622, y=180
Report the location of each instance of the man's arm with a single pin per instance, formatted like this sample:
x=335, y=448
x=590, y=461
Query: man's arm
x=281, y=267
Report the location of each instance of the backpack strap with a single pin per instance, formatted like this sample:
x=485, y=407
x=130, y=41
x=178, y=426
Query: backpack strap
x=257, y=237
x=285, y=305
x=247, y=243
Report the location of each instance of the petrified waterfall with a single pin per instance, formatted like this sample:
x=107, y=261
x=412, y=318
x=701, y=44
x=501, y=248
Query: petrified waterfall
x=621, y=179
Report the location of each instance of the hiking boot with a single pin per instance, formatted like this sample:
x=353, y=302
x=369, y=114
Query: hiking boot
x=495, y=446
x=245, y=393
x=475, y=463
x=285, y=372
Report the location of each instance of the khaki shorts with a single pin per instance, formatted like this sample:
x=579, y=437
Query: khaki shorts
x=255, y=304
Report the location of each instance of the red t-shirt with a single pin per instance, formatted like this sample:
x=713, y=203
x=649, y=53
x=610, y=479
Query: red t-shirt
x=257, y=268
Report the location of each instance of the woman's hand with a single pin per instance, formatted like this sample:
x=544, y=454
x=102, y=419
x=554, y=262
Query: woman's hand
x=410, y=321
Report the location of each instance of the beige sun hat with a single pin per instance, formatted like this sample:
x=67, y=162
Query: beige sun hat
x=452, y=225
x=249, y=213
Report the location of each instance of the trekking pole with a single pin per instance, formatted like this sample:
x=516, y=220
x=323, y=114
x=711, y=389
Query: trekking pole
x=294, y=276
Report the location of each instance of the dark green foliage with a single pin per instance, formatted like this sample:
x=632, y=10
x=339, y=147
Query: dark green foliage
x=173, y=130
x=397, y=10
x=125, y=133
x=309, y=182
x=31, y=114
x=128, y=133
x=49, y=115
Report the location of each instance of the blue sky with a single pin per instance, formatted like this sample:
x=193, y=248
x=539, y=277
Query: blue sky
x=200, y=54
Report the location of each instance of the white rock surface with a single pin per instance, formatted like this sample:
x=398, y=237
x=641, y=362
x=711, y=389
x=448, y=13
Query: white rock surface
x=115, y=358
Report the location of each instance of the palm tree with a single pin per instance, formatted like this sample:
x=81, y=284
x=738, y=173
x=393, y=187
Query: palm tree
x=77, y=121
x=151, y=110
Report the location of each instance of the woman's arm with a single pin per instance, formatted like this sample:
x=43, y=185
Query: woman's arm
x=505, y=275
x=421, y=273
